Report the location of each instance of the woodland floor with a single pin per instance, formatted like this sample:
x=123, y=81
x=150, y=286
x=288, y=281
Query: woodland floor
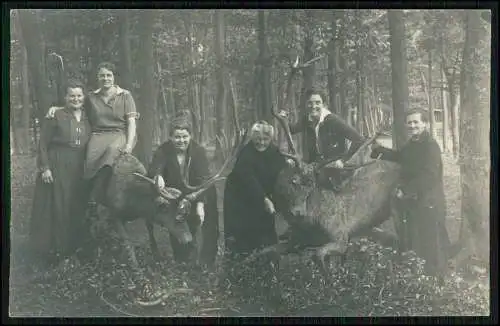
x=97, y=289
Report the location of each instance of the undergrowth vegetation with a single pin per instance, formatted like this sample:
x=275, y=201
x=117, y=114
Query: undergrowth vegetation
x=372, y=281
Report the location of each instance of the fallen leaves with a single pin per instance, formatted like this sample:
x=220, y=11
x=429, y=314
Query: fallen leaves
x=374, y=280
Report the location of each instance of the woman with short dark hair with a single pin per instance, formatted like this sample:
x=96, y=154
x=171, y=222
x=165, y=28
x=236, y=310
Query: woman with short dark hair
x=57, y=218
x=178, y=157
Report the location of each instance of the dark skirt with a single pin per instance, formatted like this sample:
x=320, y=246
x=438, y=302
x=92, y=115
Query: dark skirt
x=247, y=226
x=426, y=234
x=58, y=214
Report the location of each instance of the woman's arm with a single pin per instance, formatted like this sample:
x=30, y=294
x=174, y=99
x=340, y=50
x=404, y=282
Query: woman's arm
x=158, y=162
x=46, y=134
x=131, y=134
x=342, y=128
x=131, y=115
x=52, y=111
x=386, y=154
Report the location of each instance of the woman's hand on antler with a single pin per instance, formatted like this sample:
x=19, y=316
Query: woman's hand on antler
x=52, y=111
x=338, y=164
x=269, y=206
x=375, y=150
x=290, y=162
x=283, y=114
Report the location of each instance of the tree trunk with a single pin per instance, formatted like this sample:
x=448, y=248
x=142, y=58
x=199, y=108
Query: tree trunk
x=147, y=104
x=190, y=64
x=359, y=76
x=474, y=132
x=221, y=100
x=344, y=73
x=444, y=104
x=164, y=107
x=308, y=72
x=35, y=48
x=126, y=58
x=454, y=113
x=454, y=97
x=431, y=107
x=399, y=75
x=265, y=70
x=22, y=127
x=201, y=107
x=332, y=73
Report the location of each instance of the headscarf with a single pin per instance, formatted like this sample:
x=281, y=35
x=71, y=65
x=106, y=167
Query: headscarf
x=262, y=127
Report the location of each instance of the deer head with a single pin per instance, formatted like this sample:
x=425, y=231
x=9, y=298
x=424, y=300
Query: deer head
x=297, y=185
x=175, y=206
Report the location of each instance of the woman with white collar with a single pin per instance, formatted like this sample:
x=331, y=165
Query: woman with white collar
x=325, y=134
x=112, y=116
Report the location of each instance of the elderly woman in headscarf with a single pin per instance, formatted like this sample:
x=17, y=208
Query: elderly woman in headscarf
x=248, y=204
x=172, y=161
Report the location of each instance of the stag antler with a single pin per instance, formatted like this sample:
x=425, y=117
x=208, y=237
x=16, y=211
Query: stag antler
x=368, y=142
x=221, y=174
x=167, y=193
x=60, y=59
x=291, y=146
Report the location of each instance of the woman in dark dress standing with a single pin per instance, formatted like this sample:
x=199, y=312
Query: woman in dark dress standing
x=249, y=216
x=58, y=214
x=248, y=205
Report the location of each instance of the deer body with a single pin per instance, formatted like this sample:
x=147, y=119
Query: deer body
x=129, y=198
x=130, y=195
x=325, y=218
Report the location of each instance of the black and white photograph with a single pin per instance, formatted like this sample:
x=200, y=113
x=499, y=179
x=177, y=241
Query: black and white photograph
x=249, y=163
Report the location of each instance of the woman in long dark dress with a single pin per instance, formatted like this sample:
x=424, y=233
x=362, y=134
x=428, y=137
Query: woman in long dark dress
x=421, y=200
x=58, y=214
x=248, y=205
x=175, y=158
x=249, y=222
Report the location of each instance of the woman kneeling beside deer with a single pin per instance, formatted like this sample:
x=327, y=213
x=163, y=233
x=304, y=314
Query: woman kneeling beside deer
x=178, y=160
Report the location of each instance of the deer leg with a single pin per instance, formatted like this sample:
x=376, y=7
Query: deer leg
x=383, y=237
x=198, y=244
x=337, y=248
x=146, y=288
x=152, y=241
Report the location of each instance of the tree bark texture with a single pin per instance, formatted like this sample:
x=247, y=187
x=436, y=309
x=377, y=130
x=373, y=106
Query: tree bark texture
x=399, y=75
x=147, y=98
x=265, y=70
x=35, y=47
x=475, y=131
